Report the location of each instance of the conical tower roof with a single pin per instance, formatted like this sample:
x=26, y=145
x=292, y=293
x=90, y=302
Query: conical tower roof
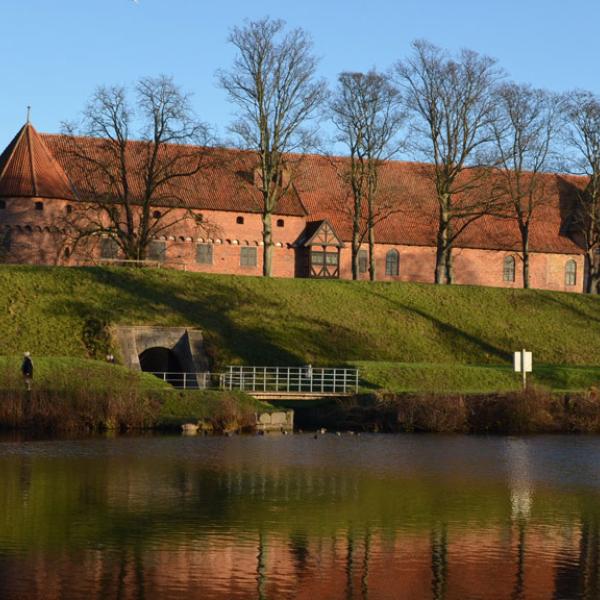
x=28, y=169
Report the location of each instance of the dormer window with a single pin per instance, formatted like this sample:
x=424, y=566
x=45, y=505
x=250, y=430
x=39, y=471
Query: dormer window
x=39, y=206
x=239, y=220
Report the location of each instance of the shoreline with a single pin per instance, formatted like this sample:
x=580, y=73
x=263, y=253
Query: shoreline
x=536, y=410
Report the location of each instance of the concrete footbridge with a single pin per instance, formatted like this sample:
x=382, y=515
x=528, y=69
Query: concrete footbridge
x=272, y=383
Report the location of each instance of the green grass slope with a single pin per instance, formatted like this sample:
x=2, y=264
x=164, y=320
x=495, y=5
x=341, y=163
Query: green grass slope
x=470, y=379
x=67, y=374
x=67, y=312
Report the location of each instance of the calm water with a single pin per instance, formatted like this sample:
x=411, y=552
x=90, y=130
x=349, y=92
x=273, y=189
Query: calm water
x=277, y=517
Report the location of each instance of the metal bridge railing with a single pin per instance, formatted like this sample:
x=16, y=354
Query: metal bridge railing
x=306, y=380
x=299, y=380
x=191, y=381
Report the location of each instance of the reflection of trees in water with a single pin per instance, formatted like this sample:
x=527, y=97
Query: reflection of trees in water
x=122, y=575
x=364, y=580
x=439, y=561
x=519, y=589
x=590, y=556
x=261, y=566
x=350, y=565
x=178, y=507
x=354, y=565
x=299, y=550
x=577, y=574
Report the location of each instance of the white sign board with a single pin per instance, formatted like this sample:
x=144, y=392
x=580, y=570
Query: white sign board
x=523, y=359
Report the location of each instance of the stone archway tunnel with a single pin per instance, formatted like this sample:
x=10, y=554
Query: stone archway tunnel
x=173, y=350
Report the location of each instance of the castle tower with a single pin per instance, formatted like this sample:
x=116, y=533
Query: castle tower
x=35, y=194
x=28, y=169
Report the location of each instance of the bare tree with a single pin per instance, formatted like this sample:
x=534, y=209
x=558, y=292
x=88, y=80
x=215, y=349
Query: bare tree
x=272, y=82
x=366, y=111
x=121, y=181
x=524, y=130
x=583, y=136
x=450, y=106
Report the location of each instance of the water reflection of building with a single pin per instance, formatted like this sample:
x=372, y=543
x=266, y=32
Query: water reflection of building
x=135, y=530
x=479, y=563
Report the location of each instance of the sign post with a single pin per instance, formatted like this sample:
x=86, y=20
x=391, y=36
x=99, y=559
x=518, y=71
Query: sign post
x=523, y=363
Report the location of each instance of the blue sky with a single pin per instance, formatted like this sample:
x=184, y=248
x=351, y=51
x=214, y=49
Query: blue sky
x=54, y=52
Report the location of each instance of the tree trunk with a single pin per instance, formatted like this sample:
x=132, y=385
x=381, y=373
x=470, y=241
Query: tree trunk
x=372, y=274
x=449, y=266
x=525, y=250
x=440, y=265
x=355, y=249
x=442, y=260
x=268, y=245
x=592, y=276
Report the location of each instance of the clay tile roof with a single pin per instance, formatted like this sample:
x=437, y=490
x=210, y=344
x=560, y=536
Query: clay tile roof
x=413, y=214
x=28, y=169
x=224, y=182
x=37, y=165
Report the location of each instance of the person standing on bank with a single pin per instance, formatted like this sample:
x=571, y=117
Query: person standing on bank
x=27, y=370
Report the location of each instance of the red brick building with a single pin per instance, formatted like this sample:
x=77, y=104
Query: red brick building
x=219, y=228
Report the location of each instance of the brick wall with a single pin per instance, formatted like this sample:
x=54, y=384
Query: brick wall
x=472, y=267
x=36, y=238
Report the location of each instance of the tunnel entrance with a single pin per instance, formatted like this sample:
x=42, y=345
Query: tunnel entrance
x=162, y=360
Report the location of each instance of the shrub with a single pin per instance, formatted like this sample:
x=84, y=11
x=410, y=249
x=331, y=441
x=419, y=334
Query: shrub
x=432, y=412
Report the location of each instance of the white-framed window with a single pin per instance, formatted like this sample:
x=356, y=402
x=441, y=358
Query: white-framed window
x=508, y=271
x=571, y=273
x=363, y=259
x=392, y=263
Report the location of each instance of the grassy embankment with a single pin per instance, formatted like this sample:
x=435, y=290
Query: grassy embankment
x=75, y=393
x=404, y=337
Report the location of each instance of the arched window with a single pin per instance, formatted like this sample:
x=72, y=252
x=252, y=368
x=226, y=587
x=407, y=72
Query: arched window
x=571, y=273
x=363, y=261
x=392, y=263
x=509, y=269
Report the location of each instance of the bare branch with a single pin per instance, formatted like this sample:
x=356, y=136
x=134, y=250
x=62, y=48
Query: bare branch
x=366, y=111
x=121, y=181
x=451, y=109
x=272, y=82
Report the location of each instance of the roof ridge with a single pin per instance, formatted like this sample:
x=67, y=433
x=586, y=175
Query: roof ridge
x=30, y=152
